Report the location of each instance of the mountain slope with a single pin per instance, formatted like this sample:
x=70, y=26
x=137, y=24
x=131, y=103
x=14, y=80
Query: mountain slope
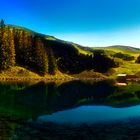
x=125, y=56
x=45, y=54
x=31, y=54
x=124, y=48
x=119, y=48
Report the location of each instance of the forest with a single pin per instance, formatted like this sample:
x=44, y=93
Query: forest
x=38, y=53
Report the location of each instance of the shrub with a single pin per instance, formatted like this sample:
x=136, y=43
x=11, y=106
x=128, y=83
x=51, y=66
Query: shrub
x=126, y=57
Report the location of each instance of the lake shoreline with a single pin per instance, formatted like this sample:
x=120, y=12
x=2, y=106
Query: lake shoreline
x=48, y=79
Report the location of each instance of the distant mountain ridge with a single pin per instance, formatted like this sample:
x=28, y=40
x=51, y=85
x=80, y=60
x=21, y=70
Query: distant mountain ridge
x=125, y=47
x=119, y=47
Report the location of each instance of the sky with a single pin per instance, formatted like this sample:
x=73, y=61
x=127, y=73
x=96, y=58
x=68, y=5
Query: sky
x=87, y=22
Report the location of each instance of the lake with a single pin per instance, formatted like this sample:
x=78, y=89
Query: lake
x=57, y=107
x=92, y=114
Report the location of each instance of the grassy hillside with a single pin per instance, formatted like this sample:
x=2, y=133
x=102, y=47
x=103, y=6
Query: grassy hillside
x=25, y=53
x=44, y=55
x=128, y=67
x=119, y=48
x=125, y=48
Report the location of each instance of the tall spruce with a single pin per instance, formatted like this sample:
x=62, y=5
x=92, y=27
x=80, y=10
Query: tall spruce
x=41, y=56
x=52, y=62
x=7, y=47
x=4, y=56
x=2, y=24
x=11, y=47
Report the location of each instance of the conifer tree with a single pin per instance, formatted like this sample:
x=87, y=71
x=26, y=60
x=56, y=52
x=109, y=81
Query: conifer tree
x=7, y=47
x=11, y=47
x=138, y=59
x=41, y=56
x=2, y=24
x=4, y=56
x=52, y=62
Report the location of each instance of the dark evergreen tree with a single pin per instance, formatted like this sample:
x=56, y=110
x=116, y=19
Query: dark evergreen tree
x=2, y=24
x=102, y=63
x=138, y=59
x=52, y=62
x=40, y=56
x=11, y=48
x=4, y=49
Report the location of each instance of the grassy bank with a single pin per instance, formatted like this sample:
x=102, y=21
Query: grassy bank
x=21, y=74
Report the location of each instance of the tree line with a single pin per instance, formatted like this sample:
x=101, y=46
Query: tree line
x=7, y=46
x=19, y=46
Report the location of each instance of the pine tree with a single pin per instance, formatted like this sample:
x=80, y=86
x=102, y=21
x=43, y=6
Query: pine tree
x=19, y=47
x=138, y=59
x=4, y=56
x=41, y=56
x=2, y=24
x=52, y=62
x=7, y=47
x=11, y=47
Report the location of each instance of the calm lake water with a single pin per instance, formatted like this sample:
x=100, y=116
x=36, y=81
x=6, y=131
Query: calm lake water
x=68, y=102
x=92, y=114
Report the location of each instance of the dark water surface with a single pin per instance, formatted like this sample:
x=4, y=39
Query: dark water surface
x=56, y=110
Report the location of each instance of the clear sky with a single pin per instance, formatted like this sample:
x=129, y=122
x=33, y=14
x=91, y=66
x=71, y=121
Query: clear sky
x=87, y=22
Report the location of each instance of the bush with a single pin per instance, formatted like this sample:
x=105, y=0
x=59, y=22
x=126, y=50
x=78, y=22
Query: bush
x=138, y=59
x=102, y=63
x=126, y=57
x=123, y=96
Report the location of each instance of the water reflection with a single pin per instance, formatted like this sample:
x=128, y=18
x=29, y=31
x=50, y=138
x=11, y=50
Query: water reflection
x=28, y=100
x=64, y=102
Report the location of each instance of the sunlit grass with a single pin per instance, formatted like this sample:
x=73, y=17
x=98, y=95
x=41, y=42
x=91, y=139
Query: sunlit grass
x=81, y=51
x=50, y=38
x=113, y=50
x=17, y=72
x=125, y=67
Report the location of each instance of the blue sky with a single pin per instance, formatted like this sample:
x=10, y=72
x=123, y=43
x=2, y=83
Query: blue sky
x=87, y=22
